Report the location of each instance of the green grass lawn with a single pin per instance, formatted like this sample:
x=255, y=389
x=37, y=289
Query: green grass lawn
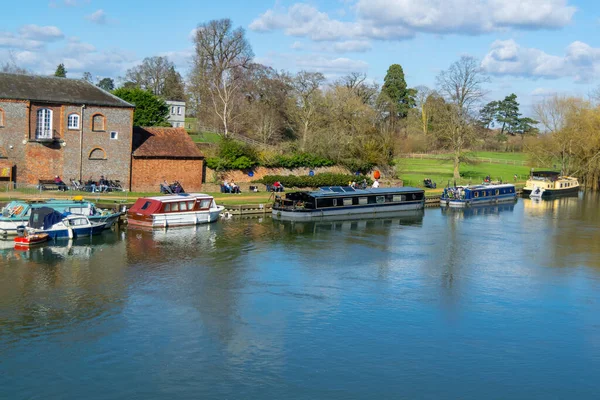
x=206, y=137
x=500, y=155
x=413, y=171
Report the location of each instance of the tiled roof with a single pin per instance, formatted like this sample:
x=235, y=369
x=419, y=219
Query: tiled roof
x=163, y=142
x=56, y=90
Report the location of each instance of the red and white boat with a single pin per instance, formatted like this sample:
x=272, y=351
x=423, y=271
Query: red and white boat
x=174, y=210
x=31, y=239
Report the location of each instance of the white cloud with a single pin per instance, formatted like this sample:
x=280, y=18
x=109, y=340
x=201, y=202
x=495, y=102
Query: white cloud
x=543, y=92
x=98, y=17
x=10, y=40
x=506, y=57
x=42, y=33
x=331, y=65
x=352, y=46
x=402, y=19
x=75, y=46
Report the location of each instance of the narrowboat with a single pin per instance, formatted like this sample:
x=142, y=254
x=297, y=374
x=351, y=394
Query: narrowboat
x=345, y=201
x=175, y=210
x=16, y=213
x=61, y=226
x=466, y=196
x=547, y=184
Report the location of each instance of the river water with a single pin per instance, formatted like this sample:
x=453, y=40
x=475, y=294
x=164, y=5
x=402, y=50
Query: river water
x=489, y=303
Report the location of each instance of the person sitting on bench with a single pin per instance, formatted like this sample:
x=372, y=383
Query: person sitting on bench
x=61, y=185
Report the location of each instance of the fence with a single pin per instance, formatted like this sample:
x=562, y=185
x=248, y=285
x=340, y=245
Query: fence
x=12, y=190
x=480, y=159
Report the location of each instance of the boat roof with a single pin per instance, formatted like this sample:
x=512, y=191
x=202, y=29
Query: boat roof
x=502, y=185
x=337, y=191
x=545, y=173
x=178, y=197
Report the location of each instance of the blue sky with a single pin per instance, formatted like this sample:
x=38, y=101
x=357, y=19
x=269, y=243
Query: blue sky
x=530, y=47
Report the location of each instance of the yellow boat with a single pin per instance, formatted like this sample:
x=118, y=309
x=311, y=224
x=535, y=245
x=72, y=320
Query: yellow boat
x=546, y=184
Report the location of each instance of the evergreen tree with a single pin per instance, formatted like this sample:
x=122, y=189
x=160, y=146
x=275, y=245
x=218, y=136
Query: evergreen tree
x=107, y=84
x=173, y=86
x=61, y=71
x=396, y=91
x=150, y=110
x=508, y=114
x=488, y=114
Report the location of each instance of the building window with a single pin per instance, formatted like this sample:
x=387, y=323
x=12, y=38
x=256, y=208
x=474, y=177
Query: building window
x=98, y=123
x=44, y=124
x=73, y=121
x=178, y=110
x=173, y=110
x=1, y=118
x=114, y=135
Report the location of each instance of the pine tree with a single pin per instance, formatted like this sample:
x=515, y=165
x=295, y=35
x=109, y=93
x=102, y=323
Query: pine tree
x=61, y=71
x=394, y=87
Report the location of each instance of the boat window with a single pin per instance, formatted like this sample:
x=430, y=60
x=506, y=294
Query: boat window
x=334, y=202
x=146, y=205
x=476, y=194
x=380, y=199
x=190, y=205
x=362, y=200
x=167, y=207
x=398, y=197
x=77, y=222
x=183, y=206
x=497, y=192
x=174, y=206
x=205, y=203
x=347, y=202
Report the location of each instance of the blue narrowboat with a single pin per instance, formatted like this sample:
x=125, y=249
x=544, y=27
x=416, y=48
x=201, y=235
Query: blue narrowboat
x=465, y=196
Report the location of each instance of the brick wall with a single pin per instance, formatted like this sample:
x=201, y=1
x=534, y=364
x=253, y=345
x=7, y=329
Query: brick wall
x=66, y=158
x=148, y=173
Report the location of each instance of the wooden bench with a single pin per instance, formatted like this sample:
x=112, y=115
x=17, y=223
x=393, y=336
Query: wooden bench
x=49, y=184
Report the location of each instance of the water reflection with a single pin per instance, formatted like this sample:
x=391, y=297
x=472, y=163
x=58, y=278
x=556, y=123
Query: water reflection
x=474, y=211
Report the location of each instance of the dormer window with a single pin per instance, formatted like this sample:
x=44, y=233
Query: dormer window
x=73, y=121
x=44, y=124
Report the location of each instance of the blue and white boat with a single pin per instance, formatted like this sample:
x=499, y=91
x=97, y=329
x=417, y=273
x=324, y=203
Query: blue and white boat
x=16, y=213
x=57, y=225
x=466, y=196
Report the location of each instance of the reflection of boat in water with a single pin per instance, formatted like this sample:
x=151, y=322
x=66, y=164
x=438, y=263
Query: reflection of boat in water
x=412, y=217
x=548, y=184
x=478, y=210
x=344, y=202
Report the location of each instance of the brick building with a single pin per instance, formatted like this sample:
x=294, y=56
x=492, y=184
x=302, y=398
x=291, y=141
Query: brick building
x=57, y=126
x=165, y=154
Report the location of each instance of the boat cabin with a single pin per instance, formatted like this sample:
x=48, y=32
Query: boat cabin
x=346, y=196
x=172, y=204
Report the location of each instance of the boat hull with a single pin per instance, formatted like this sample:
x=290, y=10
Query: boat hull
x=175, y=219
x=511, y=198
x=9, y=226
x=64, y=233
x=549, y=193
x=366, y=211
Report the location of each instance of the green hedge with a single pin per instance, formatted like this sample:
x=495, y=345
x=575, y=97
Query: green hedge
x=318, y=180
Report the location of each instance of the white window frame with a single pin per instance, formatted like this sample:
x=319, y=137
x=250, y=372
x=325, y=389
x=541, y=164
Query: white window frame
x=75, y=118
x=179, y=110
x=172, y=110
x=43, y=129
x=114, y=135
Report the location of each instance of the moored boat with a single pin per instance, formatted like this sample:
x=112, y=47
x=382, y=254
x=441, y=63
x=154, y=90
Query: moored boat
x=547, y=184
x=16, y=213
x=465, y=196
x=31, y=239
x=174, y=210
x=56, y=225
x=345, y=201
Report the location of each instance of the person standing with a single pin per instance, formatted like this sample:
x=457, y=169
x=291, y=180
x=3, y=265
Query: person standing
x=375, y=184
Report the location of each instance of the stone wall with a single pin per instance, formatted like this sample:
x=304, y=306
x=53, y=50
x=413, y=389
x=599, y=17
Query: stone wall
x=148, y=173
x=242, y=176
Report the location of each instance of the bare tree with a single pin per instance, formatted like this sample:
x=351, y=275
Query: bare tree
x=421, y=97
x=306, y=100
x=356, y=82
x=221, y=52
x=11, y=66
x=151, y=74
x=461, y=85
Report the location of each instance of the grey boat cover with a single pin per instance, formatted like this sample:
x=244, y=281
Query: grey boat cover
x=44, y=218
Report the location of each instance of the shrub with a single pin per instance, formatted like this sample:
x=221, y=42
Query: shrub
x=233, y=155
x=318, y=180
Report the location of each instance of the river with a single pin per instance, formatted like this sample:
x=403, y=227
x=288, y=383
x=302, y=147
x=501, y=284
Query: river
x=489, y=303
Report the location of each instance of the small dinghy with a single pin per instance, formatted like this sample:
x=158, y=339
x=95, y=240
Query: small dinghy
x=536, y=193
x=31, y=239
